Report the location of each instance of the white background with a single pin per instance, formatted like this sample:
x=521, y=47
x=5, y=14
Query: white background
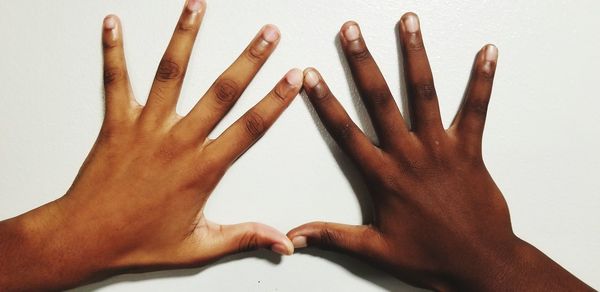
x=541, y=144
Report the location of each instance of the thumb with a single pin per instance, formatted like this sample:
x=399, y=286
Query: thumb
x=242, y=237
x=341, y=237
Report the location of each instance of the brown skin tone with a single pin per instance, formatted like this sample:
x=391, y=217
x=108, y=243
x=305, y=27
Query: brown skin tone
x=440, y=222
x=137, y=203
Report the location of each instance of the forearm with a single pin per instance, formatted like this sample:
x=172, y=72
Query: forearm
x=527, y=269
x=38, y=251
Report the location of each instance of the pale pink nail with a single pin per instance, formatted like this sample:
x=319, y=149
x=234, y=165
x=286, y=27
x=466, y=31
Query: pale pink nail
x=294, y=77
x=110, y=22
x=411, y=23
x=280, y=249
x=491, y=53
x=194, y=5
x=351, y=33
x=311, y=78
x=270, y=33
x=299, y=242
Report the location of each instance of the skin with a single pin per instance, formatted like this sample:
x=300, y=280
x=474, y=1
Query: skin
x=137, y=202
x=440, y=222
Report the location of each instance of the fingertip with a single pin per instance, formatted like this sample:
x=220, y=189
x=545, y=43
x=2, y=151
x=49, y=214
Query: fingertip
x=311, y=77
x=110, y=22
x=350, y=31
x=270, y=33
x=410, y=22
x=300, y=241
x=111, y=31
x=294, y=77
x=285, y=247
x=195, y=5
x=490, y=53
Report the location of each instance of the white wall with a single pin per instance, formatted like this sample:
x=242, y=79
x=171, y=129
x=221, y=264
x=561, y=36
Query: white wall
x=541, y=143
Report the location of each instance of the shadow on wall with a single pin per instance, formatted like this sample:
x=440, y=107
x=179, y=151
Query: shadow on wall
x=354, y=266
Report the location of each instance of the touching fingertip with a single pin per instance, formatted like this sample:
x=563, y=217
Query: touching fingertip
x=311, y=78
x=283, y=249
x=294, y=77
x=300, y=242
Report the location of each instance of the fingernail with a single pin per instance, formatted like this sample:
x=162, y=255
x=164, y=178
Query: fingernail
x=270, y=33
x=195, y=5
x=491, y=53
x=351, y=33
x=299, y=242
x=411, y=23
x=311, y=78
x=110, y=22
x=294, y=77
x=281, y=249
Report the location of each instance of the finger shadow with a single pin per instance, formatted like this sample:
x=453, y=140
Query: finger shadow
x=262, y=254
x=362, y=270
x=353, y=176
x=405, y=103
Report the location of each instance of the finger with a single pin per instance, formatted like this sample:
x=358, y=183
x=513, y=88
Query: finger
x=172, y=68
x=375, y=93
x=337, y=122
x=253, y=124
x=470, y=120
x=231, y=239
x=352, y=239
x=425, y=111
x=224, y=93
x=117, y=89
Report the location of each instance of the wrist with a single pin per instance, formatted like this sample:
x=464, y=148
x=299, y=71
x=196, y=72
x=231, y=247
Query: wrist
x=517, y=266
x=59, y=247
x=490, y=268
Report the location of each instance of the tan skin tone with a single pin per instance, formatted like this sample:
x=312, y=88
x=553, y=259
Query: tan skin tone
x=440, y=222
x=137, y=203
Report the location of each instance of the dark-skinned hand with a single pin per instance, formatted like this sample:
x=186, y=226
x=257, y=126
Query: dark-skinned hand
x=439, y=220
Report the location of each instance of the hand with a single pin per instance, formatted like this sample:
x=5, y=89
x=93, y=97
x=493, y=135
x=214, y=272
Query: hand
x=137, y=203
x=439, y=221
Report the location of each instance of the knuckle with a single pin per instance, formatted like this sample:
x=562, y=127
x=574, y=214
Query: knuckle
x=255, y=54
x=278, y=96
x=425, y=90
x=415, y=44
x=226, y=91
x=321, y=94
x=255, y=124
x=485, y=74
x=478, y=107
x=380, y=96
x=344, y=132
x=109, y=44
x=186, y=27
x=248, y=242
x=168, y=70
x=112, y=74
x=160, y=95
x=359, y=53
x=328, y=237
